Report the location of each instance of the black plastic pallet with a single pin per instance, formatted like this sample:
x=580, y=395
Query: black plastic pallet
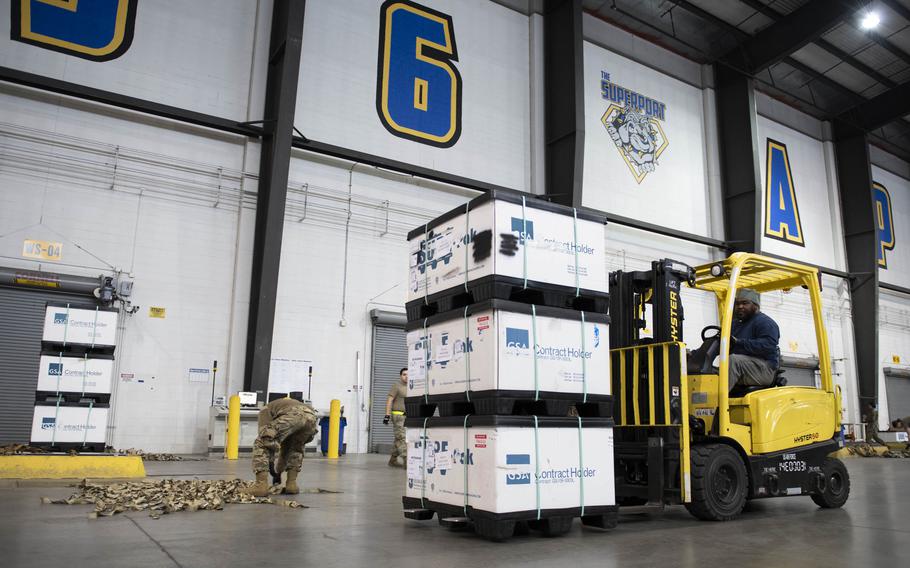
x=502, y=526
x=509, y=403
x=73, y=397
x=68, y=447
x=496, y=287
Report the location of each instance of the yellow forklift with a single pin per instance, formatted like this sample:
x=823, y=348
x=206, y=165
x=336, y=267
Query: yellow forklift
x=682, y=436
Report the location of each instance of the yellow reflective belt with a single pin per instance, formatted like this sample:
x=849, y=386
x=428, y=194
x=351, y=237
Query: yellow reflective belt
x=398, y=412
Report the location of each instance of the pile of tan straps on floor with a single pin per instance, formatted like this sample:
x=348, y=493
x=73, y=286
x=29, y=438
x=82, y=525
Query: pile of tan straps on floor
x=870, y=451
x=166, y=496
x=24, y=449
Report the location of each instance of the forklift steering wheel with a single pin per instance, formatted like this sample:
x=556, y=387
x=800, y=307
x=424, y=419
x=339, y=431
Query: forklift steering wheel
x=710, y=328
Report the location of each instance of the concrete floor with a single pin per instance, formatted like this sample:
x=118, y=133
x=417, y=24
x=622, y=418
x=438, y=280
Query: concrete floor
x=363, y=527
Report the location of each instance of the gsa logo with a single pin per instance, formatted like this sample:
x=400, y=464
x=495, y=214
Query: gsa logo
x=55, y=369
x=97, y=30
x=517, y=338
x=524, y=228
x=518, y=478
x=884, y=223
x=48, y=423
x=60, y=319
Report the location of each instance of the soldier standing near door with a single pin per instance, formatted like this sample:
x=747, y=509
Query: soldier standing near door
x=394, y=411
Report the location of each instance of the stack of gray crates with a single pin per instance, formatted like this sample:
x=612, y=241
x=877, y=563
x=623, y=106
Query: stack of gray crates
x=75, y=374
x=509, y=404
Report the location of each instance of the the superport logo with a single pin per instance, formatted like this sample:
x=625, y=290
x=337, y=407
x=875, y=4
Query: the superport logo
x=806, y=437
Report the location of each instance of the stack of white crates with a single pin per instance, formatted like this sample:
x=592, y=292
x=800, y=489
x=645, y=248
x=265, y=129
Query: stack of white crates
x=72, y=398
x=509, y=404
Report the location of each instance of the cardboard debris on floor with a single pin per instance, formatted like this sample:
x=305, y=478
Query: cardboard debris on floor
x=153, y=456
x=166, y=496
x=870, y=451
x=20, y=449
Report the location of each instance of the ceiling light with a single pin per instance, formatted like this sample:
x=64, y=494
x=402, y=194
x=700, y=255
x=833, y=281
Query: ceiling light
x=870, y=21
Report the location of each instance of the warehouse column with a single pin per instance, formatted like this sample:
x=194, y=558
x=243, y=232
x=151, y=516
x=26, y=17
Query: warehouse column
x=854, y=178
x=740, y=174
x=564, y=108
x=278, y=131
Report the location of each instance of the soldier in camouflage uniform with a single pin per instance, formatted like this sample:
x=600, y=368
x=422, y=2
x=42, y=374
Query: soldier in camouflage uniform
x=285, y=427
x=394, y=411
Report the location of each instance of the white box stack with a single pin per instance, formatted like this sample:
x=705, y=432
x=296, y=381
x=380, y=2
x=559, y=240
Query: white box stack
x=504, y=348
x=507, y=330
x=507, y=238
x=75, y=377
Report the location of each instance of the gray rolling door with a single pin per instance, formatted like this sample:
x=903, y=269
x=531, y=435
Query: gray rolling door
x=389, y=356
x=898, y=385
x=21, y=328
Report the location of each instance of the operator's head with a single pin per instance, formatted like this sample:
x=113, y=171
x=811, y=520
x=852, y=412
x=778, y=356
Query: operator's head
x=898, y=424
x=747, y=303
x=403, y=374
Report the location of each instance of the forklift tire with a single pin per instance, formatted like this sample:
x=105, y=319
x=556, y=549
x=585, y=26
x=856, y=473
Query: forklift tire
x=720, y=483
x=837, y=485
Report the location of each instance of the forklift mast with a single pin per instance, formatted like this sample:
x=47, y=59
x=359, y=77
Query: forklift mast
x=660, y=287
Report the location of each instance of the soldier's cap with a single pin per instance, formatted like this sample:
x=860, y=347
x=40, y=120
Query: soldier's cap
x=748, y=294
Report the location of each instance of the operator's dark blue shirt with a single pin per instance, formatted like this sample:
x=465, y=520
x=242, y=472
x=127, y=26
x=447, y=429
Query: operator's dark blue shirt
x=757, y=336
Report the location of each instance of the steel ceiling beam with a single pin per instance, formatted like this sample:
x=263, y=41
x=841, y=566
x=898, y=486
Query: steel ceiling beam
x=274, y=165
x=878, y=111
x=564, y=105
x=789, y=34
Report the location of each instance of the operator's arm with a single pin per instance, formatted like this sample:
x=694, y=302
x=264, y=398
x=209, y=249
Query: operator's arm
x=764, y=339
x=388, y=409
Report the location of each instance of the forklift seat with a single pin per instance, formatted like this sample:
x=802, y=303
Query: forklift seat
x=739, y=391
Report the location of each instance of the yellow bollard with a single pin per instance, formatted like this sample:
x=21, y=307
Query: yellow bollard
x=334, y=427
x=232, y=447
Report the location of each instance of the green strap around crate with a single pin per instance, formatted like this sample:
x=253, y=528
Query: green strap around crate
x=84, y=371
x=467, y=241
x=66, y=326
x=56, y=416
x=426, y=363
x=94, y=327
x=423, y=465
x=426, y=258
x=537, y=465
x=534, y=350
x=575, y=237
x=584, y=363
x=524, y=245
x=467, y=358
x=464, y=458
x=581, y=468
x=59, y=375
x=88, y=419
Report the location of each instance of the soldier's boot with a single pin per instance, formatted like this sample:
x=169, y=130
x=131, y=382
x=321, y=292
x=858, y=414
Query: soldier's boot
x=290, y=486
x=261, y=487
x=393, y=461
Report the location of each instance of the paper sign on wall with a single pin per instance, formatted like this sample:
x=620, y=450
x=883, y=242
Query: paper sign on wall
x=198, y=375
x=157, y=312
x=289, y=375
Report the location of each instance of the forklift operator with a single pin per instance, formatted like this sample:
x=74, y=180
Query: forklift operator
x=755, y=354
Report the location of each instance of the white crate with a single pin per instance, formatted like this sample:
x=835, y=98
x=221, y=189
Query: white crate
x=68, y=325
x=505, y=467
x=541, y=241
x=67, y=424
x=504, y=339
x=75, y=374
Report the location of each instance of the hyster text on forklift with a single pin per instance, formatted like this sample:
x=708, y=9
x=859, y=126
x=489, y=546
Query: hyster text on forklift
x=681, y=436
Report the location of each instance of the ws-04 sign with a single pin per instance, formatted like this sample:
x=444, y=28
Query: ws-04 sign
x=418, y=87
x=97, y=30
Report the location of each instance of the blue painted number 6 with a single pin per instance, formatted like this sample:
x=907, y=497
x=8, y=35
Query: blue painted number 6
x=418, y=89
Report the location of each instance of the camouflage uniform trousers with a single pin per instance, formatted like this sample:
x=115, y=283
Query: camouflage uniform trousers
x=400, y=448
x=287, y=434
